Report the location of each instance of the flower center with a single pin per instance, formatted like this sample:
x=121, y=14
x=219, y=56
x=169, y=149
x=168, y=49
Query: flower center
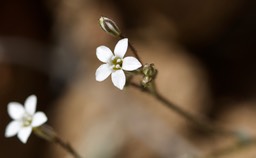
x=27, y=120
x=117, y=63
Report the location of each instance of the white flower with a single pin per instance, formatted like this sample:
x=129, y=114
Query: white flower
x=114, y=64
x=24, y=118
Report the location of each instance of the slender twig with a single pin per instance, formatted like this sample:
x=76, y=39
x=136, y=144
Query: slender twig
x=134, y=51
x=240, y=145
x=67, y=147
x=47, y=133
x=200, y=124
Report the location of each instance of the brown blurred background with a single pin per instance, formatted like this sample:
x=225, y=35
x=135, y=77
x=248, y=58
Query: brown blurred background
x=204, y=51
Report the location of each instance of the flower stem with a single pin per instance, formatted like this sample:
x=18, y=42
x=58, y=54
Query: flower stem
x=134, y=51
x=240, y=145
x=66, y=146
x=47, y=133
x=204, y=126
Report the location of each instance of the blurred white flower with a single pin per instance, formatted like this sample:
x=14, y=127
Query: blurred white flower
x=24, y=118
x=114, y=64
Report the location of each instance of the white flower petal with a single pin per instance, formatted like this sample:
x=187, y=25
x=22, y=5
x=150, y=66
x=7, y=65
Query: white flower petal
x=103, y=72
x=30, y=104
x=15, y=110
x=121, y=47
x=38, y=119
x=131, y=63
x=24, y=133
x=13, y=128
x=104, y=54
x=118, y=79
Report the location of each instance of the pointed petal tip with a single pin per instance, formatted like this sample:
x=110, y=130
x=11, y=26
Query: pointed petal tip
x=121, y=88
x=24, y=134
x=131, y=63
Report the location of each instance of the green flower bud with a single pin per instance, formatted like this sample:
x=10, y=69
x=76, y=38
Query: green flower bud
x=149, y=70
x=146, y=80
x=149, y=74
x=109, y=26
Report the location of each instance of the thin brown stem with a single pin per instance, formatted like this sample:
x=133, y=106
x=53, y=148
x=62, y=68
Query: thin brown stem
x=134, y=51
x=47, y=133
x=66, y=146
x=240, y=145
x=200, y=124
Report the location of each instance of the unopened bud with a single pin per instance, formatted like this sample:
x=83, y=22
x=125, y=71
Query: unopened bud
x=146, y=80
x=149, y=73
x=149, y=70
x=109, y=26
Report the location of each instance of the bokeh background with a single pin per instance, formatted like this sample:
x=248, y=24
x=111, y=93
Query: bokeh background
x=204, y=51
